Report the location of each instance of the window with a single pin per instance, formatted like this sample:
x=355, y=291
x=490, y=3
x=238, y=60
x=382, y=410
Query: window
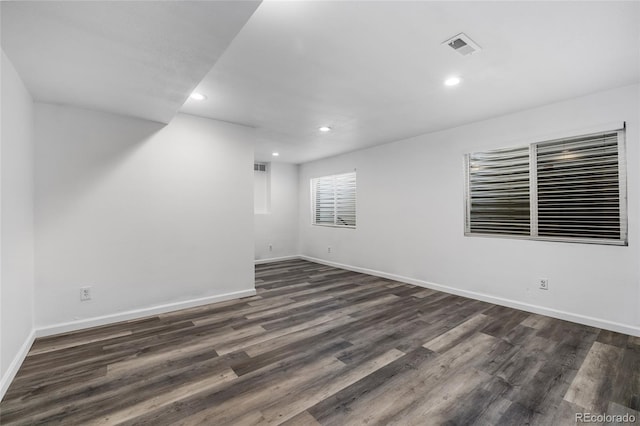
x=334, y=200
x=261, y=188
x=570, y=189
x=499, y=192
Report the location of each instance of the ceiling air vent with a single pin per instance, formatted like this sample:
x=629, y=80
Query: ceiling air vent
x=259, y=167
x=463, y=44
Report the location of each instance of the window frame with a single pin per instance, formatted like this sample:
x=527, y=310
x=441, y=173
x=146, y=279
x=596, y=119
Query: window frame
x=312, y=182
x=533, y=191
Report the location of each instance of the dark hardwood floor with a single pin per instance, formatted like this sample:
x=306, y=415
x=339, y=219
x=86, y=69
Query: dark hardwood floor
x=328, y=346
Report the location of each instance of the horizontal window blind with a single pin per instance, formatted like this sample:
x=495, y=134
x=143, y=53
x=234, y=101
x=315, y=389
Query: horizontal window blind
x=325, y=204
x=571, y=189
x=334, y=200
x=578, y=188
x=499, y=186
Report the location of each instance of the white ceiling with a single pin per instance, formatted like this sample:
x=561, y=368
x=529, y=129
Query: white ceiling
x=373, y=71
x=136, y=58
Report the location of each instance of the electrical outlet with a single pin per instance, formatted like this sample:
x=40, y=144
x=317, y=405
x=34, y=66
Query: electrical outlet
x=85, y=293
x=543, y=283
x=328, y=249
x=270, y=247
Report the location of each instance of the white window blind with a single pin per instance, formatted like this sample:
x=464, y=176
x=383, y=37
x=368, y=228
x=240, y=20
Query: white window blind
x=571, y=189
x=334, y=200
x=499, y=185
x=579, y=188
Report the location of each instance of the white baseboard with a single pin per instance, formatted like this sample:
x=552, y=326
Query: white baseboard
x=17, y=361
x=536, y=309
x=11, y=372
x=276, y=259
x=138, y=313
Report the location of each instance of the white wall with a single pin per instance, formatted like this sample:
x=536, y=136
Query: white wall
x=410, y=218
x=143, y=213
x=16, y=224
x=279, y=227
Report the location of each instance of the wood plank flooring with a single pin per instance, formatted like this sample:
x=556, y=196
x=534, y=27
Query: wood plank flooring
x=320, y=345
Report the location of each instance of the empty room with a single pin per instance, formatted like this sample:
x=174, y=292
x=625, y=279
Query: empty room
x=320, y=212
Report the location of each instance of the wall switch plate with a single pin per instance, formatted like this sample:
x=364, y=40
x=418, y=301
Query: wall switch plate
x=270, y=247
x=328, y=249
x=85, y=293
x=543, y=283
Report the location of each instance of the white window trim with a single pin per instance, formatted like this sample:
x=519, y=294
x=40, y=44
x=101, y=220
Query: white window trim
x=313, y=203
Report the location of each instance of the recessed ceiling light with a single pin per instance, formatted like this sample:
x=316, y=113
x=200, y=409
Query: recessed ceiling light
x=325, y=129
x=275, y=154
x=197, y=96
x=452, y=81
